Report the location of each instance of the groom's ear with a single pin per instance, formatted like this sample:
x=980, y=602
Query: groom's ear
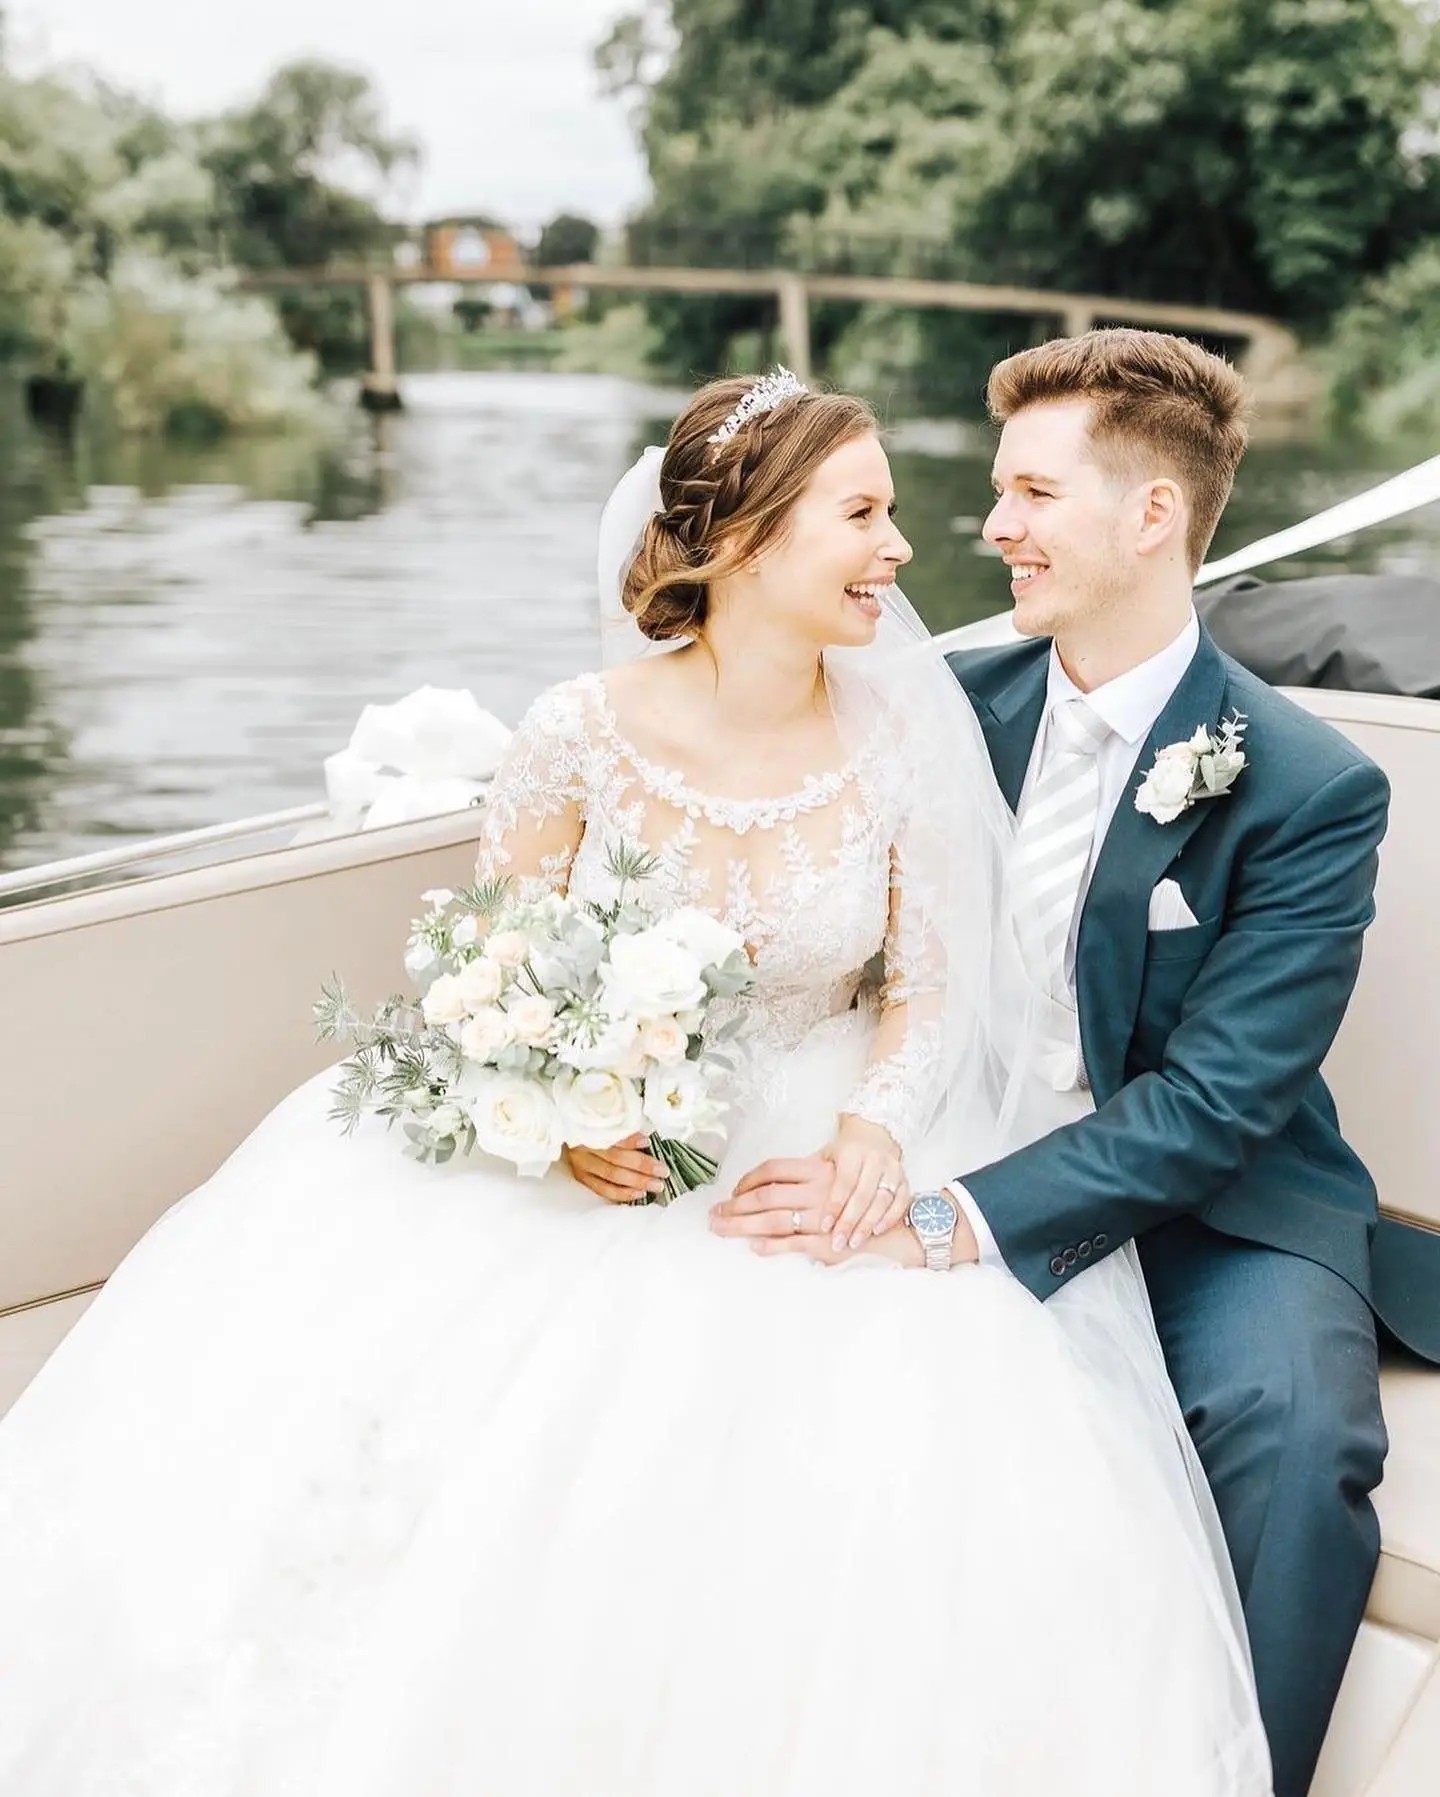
x=1162, y=519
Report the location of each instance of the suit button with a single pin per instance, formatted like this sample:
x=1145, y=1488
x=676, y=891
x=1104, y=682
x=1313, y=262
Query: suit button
x=1101, y=1240
x=1083, y=1250
x=1069, y=1257
x=1057, y=1266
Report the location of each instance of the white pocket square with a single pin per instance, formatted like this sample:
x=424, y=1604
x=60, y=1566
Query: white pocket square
x=1168, y=910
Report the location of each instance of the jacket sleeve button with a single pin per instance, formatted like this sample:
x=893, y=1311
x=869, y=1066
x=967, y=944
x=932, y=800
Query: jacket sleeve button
x=1057, y=1266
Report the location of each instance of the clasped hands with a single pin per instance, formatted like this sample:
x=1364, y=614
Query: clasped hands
x=849, y=1199
x=830, y=1206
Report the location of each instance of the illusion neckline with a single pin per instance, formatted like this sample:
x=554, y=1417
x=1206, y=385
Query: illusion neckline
x=739, y=815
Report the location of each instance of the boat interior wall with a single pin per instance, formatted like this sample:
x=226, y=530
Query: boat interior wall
x=163, y=1018
x=1384, y=1056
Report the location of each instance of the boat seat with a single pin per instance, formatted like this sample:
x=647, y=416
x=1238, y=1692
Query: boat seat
x=1406, y=1593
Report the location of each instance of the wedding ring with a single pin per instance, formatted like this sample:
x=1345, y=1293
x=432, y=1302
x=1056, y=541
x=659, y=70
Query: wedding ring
x=884, y=1185
x=794, y=1222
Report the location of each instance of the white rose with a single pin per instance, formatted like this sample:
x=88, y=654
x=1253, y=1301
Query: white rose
x=444, y=1002
x=419, y=956
x=597, y=1109
x=614, y=1048
x=664, y=1040
x=513, y=1117
x=1165, y=791
x=487, y=1034
x=478, y=983
x=466, y=930
x=531, y=1019
x=508, y=948
x=449, y=1120
x=711, y=942
x=650, y=975
x=678, y=1103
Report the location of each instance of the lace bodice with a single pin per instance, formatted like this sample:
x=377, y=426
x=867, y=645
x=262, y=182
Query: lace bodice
x=809, y=878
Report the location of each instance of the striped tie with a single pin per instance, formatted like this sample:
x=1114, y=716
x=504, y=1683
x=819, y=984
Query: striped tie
x=1052, y=846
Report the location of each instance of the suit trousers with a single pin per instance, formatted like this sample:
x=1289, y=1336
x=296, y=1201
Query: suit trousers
x=1275, y=1363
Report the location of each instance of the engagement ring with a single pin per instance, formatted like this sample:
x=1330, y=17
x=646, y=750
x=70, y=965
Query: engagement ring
x=794, y=1222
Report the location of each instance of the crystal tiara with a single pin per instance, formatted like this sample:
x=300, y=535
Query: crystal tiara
x=764, y=396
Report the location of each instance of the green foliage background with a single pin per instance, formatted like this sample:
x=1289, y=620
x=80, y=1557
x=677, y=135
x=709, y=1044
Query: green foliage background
x=121, y=231
x=1267, y=155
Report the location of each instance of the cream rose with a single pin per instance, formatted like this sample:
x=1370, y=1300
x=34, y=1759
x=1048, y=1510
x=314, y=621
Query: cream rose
x=651, y=975
x=487, y=1034
x=597, y=1109
x=479, y=983
x=444, y=1002
x=531, y=1018
x=508, y=948
x=663, y=1040
x=513, y=1117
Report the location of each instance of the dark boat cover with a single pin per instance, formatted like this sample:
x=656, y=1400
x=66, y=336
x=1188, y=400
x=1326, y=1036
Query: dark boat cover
x=1365, y=633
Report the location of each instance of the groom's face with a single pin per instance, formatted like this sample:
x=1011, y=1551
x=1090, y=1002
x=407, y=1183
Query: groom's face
x=1065, y=525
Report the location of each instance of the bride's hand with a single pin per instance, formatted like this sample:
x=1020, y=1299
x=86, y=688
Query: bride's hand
x=623, y=1174
x=870, y=1194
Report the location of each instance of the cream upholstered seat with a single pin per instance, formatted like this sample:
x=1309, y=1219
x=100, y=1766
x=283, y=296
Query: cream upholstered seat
x=1381, y=1072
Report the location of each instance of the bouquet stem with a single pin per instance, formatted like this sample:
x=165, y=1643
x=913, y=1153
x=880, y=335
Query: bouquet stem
x=687, y=1168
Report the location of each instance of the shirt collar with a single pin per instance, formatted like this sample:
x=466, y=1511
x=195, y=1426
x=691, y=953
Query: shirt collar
x=1132, y=701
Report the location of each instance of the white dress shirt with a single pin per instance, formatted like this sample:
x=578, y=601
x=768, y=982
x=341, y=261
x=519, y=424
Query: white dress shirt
x=1129, y=704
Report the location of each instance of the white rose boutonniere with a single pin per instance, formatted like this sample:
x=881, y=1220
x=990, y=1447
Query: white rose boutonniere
x=1204, y=767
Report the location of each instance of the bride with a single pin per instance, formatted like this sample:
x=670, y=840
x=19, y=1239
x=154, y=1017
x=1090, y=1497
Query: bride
x=368, y=1479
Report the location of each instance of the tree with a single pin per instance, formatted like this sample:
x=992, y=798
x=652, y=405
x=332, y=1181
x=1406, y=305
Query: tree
x=566, y=240
x=1263, y=154
x=282, y=169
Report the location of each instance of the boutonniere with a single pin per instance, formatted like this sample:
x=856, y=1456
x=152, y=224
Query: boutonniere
x=1204, y=767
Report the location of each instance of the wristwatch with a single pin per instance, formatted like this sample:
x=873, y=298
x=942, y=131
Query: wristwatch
x=933, y=1216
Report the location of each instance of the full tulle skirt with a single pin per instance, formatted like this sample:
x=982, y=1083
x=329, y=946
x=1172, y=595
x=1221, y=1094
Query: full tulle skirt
x=367, y=1479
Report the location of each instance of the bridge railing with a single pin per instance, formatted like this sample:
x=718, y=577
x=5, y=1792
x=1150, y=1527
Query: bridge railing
x=802, y=245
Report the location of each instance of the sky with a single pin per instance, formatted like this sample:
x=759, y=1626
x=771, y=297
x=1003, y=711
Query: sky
x=501, y=94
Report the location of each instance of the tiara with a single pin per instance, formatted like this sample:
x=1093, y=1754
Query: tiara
x=764, y=396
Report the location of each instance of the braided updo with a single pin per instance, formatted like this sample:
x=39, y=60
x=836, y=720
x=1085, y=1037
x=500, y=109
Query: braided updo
x=725, y=503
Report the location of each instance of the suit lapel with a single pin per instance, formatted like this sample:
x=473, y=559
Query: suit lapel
x=1010, y=718
x=1110, y=952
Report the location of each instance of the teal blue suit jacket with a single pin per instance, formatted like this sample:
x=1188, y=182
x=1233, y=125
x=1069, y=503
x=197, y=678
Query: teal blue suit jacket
x=1203, y=1044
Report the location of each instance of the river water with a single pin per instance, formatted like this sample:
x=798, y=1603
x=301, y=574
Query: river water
x=185, y=634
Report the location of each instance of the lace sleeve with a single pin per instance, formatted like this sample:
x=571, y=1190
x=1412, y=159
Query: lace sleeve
x=904, y=1078
x=534, y=809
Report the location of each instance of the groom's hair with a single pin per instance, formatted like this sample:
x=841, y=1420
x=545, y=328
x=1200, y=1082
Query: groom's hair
x=1158, y=405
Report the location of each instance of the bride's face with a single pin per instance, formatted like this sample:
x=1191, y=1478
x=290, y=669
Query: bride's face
x=840, y=548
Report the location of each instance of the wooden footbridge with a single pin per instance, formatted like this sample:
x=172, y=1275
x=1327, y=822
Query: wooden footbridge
x=1265, y=349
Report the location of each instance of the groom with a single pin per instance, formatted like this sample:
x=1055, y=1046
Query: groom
x=1201, y=952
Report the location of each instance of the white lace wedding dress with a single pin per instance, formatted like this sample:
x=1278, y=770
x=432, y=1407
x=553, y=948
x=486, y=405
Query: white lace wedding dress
x=366, y=1479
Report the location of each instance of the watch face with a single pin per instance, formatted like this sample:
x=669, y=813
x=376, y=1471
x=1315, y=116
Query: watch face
x=933, y=1214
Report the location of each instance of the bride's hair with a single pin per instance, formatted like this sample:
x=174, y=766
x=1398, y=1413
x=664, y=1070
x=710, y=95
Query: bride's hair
x=725, y=503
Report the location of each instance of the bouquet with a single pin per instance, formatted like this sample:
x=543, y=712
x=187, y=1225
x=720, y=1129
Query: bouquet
x=550, y=1023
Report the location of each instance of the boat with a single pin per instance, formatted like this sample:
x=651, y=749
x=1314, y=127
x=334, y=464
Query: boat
x=179, y=1002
